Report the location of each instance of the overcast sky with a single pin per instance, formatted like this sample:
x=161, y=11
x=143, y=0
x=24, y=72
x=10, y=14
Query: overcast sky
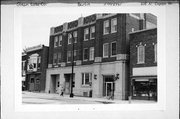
x=36, y=27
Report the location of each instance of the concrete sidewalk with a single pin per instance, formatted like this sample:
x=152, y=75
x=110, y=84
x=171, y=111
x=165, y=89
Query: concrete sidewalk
x=101, y=100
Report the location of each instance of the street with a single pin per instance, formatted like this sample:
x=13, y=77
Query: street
x=45, y=98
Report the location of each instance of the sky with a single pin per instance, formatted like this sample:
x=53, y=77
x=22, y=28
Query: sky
x=36, y=27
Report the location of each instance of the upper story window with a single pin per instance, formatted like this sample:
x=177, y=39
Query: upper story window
x=114, y=25
x=155, y=52
x=69, y=56
x=54, y=58
x=86, y=34
x=60, y=40
x=55, y=41
x=113, y=49
x=106, y=27
x=69, y=38
x=85, y=54
x=39, y=62
x=141, y=54
x=75, y=36
x=59, y=57
x=92, y=32
x=86, y=79
x=32, y=62
x=105, y=50
x=91, y=53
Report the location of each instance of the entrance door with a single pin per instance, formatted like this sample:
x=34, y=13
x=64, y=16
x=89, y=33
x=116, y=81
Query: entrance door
x=31, y=84
x=109, y=88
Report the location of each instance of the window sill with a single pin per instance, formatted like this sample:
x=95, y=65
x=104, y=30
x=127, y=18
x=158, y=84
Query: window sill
x=85, y=86
x=105, y=57
x=86, y=39
x=105, y=33
x=141, y=63
x=85, y=60
x=92, y=38
x=114, y=32
x=113, y=55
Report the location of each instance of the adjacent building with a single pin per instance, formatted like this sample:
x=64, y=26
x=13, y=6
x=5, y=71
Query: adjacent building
x=34, y=65
x=101, y=55
x=23, y=70
x=143, y=64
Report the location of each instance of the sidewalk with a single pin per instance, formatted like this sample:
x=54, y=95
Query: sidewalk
x=101, y=100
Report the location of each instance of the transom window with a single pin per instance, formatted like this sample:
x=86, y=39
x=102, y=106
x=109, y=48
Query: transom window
x=105, y=50
x=114, y=25
x=60, y=40
x=86, y=34
x=86, y=79
x=141, y=54
x=113, y=49
x=106, y=27
x=55, y=41
x=92, y=32
x=85, y=54
x=91, y=54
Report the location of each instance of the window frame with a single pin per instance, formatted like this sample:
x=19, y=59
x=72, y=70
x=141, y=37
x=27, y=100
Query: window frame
x=69, y=38
x=112, y=47
x=84, y=54
x=91, y=32
x=155, y=53
x=59, y=58
x=138, y=54
x=104, y=27
x=112, y=25
x=86, y=29
x=91, y=56
x=55, y=41
x=60, y=40
x=54, y=55
x=70, y=52
x=75, y=36
x=104, y=49
x=84, y=83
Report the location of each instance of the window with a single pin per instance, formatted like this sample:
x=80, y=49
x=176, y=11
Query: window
x=39, y=62
x=59, y=57
x=105, y=50
x=85, y=54
x=75, y=55
x=54, y=59
x=114, y=25
x=113, y=48
x=55, y=41
x=86, y=78
x=155, y=52
x=141, y=54
x=60, y=40
x=106, y=27
x=86, y=34
x=92, y=32
x=69, y=56
x=91, y=54
x=69, y=38
x=75, y=36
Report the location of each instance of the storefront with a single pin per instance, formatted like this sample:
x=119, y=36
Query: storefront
x=144, y=88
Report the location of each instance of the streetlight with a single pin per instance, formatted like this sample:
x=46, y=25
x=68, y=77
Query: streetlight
x=72, y=61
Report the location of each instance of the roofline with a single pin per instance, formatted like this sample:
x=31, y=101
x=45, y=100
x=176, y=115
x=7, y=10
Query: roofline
x=143, y=30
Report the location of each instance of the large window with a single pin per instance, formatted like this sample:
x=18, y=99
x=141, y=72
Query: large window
x=59, y=57
x=69, y=38
x=86, y=34
x=141, y=54
x=60, y=40
x=75, y=36
x=91, y=53
x=114, y=25
x=155, y=52
x=68, y=56
x=55, y=41
x=105, y=50
x=54, y=58
x=113, y=49
x=92, y=32
x=85, y=54
x=86, y=79
x=106, y=27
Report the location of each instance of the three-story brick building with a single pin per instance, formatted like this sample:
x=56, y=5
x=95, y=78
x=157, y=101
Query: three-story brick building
x=101, y=51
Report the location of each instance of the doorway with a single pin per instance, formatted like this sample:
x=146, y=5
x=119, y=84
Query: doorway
x=68, y=78
x=55, y=83
x=109, y=88
x=108, y=85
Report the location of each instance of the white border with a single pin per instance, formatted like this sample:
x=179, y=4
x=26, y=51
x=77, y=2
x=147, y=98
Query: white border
x=160, y=105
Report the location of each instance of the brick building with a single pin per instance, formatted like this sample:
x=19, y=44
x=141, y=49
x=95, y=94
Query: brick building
x=101, y=51
x=143, y=64
x=35, y=66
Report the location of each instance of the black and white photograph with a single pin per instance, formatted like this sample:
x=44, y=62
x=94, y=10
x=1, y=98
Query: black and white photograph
x=64, y=61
